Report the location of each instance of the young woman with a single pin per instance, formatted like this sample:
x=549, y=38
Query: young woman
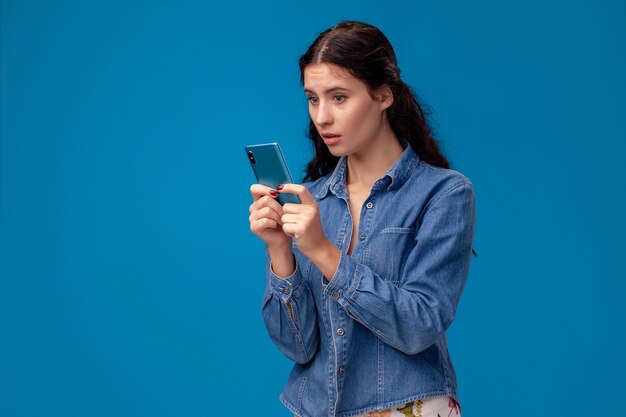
x=364, y=277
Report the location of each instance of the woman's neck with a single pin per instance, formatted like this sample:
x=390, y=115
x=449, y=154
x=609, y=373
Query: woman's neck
x=365, y=167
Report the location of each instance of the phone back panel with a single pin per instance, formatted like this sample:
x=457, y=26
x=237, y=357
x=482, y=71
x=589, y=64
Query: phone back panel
x=271, y=169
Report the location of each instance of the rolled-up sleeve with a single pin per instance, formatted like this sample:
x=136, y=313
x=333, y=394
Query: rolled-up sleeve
x=413, y=313
x=289, y=314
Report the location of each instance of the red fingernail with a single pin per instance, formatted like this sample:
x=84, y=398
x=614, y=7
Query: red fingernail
x=273, y=193
x=280, y=187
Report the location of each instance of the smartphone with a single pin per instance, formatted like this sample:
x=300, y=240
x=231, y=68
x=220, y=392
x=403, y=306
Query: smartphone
x=270, y=168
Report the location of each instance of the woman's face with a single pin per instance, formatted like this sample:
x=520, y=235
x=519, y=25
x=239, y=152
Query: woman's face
x=347, y=118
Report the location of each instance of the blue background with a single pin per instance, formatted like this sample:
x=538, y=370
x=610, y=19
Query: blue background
x=130, y=282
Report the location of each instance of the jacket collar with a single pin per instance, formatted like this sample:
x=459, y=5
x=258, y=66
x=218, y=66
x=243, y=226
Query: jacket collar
x=393, y=178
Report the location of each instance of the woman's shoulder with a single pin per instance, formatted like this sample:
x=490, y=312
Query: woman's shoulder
x=439, y=180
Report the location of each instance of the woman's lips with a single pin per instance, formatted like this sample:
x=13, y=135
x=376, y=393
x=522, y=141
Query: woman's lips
x=331, y=140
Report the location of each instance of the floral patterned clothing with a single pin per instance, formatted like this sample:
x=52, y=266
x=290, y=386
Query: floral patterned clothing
x=428, y=407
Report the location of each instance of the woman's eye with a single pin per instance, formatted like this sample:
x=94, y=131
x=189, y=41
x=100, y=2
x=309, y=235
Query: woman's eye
x=313, y=100
x=340, y=99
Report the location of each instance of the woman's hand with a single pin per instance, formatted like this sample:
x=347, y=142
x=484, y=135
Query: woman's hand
x=303, y=221
x=265, y=217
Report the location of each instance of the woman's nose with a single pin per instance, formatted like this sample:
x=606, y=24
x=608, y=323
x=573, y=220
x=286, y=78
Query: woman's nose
x=323, y=115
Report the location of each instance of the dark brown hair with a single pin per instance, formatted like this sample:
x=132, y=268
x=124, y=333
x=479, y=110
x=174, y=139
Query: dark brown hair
x=365, y=52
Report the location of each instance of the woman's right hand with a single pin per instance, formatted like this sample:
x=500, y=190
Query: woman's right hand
x=265, y=217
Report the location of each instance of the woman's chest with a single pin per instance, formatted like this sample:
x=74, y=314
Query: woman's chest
x=356, y=200
x=375, y=229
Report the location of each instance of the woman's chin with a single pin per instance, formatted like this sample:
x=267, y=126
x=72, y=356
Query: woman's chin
x=337, y=152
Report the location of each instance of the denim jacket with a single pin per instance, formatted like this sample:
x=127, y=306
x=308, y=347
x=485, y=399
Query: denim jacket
x=374, y=336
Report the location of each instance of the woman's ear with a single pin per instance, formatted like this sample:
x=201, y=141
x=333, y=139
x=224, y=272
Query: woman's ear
x=385, y=96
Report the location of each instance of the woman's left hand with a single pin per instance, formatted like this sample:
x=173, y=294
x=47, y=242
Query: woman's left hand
x=302, y=221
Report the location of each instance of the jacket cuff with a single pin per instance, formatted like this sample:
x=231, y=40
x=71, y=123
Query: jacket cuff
x=285, y=288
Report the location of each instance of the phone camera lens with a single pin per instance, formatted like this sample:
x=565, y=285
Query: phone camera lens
x=251, y=156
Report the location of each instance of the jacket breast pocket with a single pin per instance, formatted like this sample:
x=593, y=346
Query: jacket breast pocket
x=388, y=252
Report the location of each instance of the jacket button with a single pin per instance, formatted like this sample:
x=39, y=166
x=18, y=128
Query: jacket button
x=362, y=237
x=286, y=290
x=369, y=205
x=341, y=332
x=381, y=183
x=335, y=294
x=341, y=369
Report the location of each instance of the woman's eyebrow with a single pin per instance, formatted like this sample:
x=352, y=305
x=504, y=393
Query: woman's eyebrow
x=330, y=90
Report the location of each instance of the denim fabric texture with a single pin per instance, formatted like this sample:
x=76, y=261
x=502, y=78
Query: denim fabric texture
x=374, y=336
